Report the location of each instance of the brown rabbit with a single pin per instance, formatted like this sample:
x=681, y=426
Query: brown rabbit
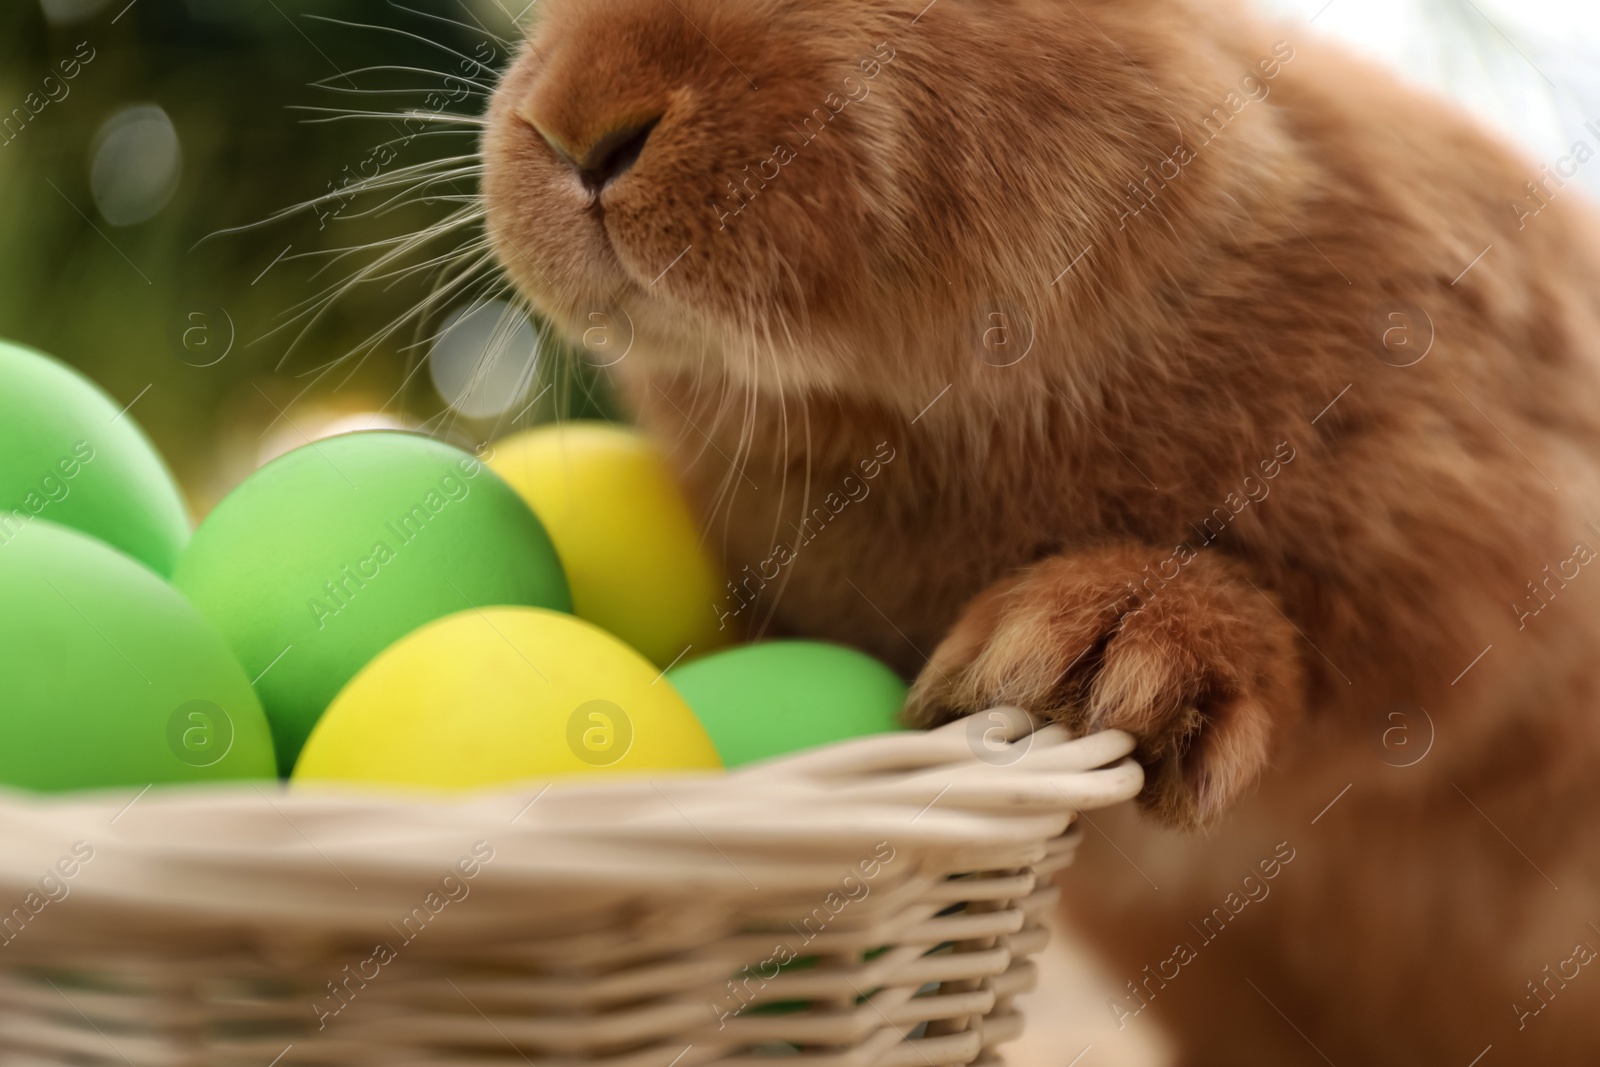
x=1152, y=368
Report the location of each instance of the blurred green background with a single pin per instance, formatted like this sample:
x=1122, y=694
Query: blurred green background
x=132, y=135
x=131, y=131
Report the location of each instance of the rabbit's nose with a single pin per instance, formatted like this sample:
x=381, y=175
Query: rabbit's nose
x=607, y=157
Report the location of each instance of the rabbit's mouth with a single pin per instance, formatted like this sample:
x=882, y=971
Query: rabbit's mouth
x=581, y=214
x=633, y=169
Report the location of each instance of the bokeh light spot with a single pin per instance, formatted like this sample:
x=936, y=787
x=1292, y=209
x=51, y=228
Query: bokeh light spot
x=137, y=164
x=67, y=12
x=485, y=358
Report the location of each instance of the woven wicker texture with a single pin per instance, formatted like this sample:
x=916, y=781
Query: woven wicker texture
x=868, y=903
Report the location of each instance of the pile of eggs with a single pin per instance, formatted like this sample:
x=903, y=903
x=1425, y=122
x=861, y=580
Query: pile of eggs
x=379, y=608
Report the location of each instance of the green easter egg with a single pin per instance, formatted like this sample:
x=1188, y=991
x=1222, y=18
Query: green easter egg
x=777, y=697
x=68, y=453
x=328, y=555
x=111, y=678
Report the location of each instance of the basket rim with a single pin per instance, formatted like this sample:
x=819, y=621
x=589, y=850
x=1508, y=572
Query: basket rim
x=941, y=797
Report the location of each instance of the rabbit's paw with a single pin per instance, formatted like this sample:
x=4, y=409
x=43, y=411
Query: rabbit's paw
x=1201, y=667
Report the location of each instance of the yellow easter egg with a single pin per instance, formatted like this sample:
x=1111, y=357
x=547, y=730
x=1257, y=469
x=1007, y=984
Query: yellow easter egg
x=624, y=532
x=503, y=694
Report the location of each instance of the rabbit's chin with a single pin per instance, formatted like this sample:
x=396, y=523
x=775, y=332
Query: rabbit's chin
x=691, y=249
x=584, y=270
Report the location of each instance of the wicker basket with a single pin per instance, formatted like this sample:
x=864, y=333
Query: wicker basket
x=868, y=903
